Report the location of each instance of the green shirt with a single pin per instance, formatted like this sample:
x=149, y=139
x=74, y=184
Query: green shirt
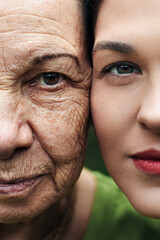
x=113, y=217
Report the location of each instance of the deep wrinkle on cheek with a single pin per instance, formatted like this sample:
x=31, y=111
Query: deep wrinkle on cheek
x=58, y=100
x=68, y=132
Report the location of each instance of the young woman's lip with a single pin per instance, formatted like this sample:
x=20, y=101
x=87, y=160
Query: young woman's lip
x=147, y=161
x=149, y=154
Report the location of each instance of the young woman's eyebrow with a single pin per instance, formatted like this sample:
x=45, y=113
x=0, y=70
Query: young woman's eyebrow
x=120, y=47
x=46, y=57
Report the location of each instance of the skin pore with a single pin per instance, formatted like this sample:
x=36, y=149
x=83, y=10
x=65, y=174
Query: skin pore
x=44, y=101
x=125, y=97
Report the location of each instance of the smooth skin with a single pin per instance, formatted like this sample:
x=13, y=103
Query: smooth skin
x=43, y=118
x=125, y=101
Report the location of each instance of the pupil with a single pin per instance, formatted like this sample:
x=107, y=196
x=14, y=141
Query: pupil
x=125, y=69
x=51, y=78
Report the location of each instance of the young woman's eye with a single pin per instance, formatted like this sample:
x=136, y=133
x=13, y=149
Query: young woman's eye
x=122, y=69
x=48, y=79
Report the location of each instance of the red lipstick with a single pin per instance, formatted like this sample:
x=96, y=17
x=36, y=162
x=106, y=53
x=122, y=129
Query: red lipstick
x=148, y=161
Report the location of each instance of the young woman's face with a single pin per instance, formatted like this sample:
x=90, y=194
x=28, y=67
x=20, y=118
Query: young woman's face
x=125, y=97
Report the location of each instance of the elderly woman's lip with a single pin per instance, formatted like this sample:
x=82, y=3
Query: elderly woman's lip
x=19, y=180
x=17, y=185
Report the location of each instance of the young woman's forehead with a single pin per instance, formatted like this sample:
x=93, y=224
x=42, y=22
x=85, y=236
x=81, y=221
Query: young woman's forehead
x=130, y=8
x=127, y=21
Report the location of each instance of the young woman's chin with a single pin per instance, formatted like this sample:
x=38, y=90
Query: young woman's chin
x=148, y=205
x=145, y=199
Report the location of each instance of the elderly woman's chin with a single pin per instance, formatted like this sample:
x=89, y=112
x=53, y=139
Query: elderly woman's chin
x=25, y=205
x=41, y=196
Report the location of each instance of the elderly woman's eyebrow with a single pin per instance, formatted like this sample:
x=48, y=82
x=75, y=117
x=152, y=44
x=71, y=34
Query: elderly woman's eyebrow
x=45, y=57
x=120, y=47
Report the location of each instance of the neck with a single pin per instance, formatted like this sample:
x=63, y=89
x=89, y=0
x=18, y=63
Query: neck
x=85, y=192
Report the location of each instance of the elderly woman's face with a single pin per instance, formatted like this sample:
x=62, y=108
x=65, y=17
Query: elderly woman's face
x=44, y=84
x=126, y=97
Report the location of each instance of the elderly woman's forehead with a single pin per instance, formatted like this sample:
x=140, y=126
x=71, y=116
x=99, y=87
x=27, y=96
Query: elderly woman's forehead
x=55, y=17
x=40, y=25
x=45, y=8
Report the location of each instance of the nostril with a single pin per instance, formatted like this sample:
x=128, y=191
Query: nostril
x=6, y=155
x=12, y=154
x=152, y=126
x=144, y=126
x=14, y=138
x=149, y=120
x=20, y=150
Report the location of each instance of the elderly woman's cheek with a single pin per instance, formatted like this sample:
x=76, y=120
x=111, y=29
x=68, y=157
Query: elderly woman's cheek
x=60, y=123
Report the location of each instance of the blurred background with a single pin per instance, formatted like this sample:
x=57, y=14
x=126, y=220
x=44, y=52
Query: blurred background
x=93, y=156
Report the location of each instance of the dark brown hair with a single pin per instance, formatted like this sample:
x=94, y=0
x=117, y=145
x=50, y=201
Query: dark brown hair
x=90, y=14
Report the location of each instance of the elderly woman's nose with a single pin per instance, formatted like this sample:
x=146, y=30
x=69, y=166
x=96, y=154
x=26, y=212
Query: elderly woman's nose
x=15, y=131
x=149, y=112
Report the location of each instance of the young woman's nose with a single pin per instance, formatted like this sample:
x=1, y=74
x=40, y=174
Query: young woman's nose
x=15, y=132
x=149, y=113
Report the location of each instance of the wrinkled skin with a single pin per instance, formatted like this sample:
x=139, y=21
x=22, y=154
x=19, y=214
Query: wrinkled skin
x=42, y=127
x=126, y=107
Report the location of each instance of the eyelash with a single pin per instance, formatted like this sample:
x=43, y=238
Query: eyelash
x=41, y=78
x=107, y=70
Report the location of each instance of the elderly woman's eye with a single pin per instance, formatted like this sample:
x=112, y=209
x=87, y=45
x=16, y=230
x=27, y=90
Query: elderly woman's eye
x=122, y=69
x=48, y=79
